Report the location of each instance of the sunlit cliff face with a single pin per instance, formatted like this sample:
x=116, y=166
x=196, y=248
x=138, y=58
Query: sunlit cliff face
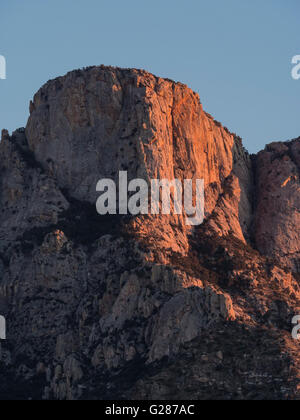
x=150, y=127
x=124, y=306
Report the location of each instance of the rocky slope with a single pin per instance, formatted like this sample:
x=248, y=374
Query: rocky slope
x=108, y=307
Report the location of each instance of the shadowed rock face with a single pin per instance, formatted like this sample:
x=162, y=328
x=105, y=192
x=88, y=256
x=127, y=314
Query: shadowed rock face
x=105, y=307
x=277, y=229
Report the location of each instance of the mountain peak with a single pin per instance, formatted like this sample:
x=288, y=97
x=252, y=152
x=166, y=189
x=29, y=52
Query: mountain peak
x=87, y=296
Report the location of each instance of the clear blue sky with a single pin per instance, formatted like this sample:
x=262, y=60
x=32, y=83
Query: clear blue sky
x=235, y=53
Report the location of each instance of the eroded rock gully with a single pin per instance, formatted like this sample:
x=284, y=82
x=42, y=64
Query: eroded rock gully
x=144, y=307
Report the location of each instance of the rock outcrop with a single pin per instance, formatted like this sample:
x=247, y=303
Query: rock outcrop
x=90, y=125
x=277, y=229
x=111, y=306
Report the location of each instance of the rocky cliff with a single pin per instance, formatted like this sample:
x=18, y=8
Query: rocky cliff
x=108, y=307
